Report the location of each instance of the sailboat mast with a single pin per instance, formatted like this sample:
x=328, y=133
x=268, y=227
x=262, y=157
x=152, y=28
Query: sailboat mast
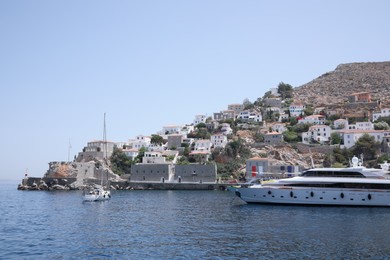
x=105, y=164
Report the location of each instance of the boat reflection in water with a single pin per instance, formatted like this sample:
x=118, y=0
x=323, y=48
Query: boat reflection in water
x=352, y=186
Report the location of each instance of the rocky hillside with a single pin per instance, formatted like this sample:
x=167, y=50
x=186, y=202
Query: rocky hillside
x=334, y=87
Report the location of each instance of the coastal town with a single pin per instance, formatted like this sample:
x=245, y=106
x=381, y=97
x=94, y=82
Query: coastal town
x=278, y=135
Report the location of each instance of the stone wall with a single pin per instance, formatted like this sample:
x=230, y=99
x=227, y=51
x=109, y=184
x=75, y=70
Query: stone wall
x=196, y=173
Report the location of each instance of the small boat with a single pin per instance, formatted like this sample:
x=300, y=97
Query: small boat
x=99, y=193
x=351, y=186
x=96, y=194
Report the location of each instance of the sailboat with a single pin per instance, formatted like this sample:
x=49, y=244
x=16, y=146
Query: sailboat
x=99, y=193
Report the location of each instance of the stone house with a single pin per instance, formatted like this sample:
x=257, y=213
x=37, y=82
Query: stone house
x=96, y=149
x=236, y=108
x=364, y=97
x=175, y=140
x=273, y=138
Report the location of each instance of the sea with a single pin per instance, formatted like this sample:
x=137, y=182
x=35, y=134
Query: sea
x=156, y=224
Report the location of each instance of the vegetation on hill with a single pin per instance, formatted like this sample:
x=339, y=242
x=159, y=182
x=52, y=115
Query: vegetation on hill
x=331, y=88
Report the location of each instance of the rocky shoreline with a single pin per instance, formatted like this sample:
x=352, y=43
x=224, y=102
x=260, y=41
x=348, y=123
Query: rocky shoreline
x=68, y=184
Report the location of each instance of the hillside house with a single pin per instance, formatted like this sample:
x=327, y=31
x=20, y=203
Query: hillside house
x=360, y=97
x=272, y=102
x=200, y=119
x=283, y=117
x=199, y=156
x=131, y=153
x=317, y=133
x=273, y=138
x=153, y=157
x=351, y=136
x=175, y=141
x=319, y=110
x=140, y=141
x=361, y=126
x=219, y=140
x=171, y=129
x=341, y=124
x=313, y=120
x=226, y=129
x=385, y=112
x=280, y=128
x=236, y=108
x=203, y=145
x=297, y=109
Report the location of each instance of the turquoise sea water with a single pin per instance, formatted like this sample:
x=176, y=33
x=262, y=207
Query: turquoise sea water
x=183, y=225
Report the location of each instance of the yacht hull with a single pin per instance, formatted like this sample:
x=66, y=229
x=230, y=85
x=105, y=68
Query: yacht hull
x=312, y=196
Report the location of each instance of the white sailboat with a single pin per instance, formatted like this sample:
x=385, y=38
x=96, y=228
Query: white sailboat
x=99, y=193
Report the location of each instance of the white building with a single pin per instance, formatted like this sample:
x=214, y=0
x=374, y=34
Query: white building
x=341, y=124
x=140, y=141
x=132, y=153
x=219, y=140
x=297, y=109
x=153, y=157
x=385, y=112
x=313, y=119
x=203, y=145
x=351, y=136
x=171, y=129
x=226, y=129
x=318, y=133
x=200, y=119
x=361, y=126
x=280, y=128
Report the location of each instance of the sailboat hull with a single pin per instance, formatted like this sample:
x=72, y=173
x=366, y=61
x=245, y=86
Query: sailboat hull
x=97, y=195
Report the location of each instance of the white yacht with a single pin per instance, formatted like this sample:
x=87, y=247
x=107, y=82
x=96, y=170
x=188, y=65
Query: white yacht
x=352, y=186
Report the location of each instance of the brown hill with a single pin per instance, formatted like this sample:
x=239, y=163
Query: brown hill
x=335, y=86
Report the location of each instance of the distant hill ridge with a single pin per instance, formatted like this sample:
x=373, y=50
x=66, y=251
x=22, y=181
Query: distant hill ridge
x=334, y=87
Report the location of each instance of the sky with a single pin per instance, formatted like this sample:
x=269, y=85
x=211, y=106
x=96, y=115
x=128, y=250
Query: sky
x=151, y=63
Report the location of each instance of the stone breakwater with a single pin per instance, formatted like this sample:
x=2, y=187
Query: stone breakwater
x=67, y=184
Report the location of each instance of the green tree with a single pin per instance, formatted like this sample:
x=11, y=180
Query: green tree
x=157, y=139
x=381, y=126
x=367, y=146
x=141, y=153
x=290, y=136
x=335, y=138
x=120, y=162
x=285, y=90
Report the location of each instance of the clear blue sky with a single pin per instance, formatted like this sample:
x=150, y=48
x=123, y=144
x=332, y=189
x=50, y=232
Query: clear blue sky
x=153, y=63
